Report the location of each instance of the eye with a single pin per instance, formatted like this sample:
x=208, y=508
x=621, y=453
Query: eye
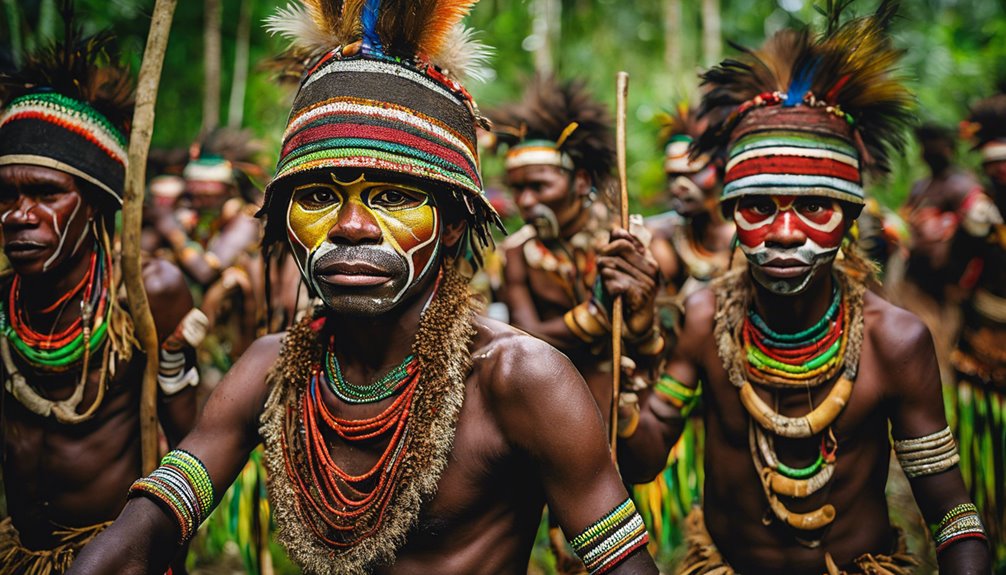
x=760, y=206
x=813, y=205
x=397, y=198
x=315, y=197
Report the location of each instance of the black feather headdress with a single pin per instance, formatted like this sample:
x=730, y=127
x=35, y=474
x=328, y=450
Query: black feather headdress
x=69, y=108
x=848, y=71
x=565, y=116
x=986, y=127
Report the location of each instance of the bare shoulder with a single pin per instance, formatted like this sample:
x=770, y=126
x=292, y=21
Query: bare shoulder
x=896, y=336
x=163, y=279
x=700, y=312
x=242, y=393
x=262, y=354
x=515, y=367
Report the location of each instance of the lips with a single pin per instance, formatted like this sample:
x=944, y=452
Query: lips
x=21, y=249
x=785, y=268
x=352, y=274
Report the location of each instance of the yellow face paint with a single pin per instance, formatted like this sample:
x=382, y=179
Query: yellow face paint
x=326, y=219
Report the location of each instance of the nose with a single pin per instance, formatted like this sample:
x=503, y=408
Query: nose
x=525, y=198
x=784, y=231
x=356, y=224
x=20, y=212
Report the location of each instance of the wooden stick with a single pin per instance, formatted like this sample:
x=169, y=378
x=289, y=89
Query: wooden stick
x=132, y=215
x=616, y=311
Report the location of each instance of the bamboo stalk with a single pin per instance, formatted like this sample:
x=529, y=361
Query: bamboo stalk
x=132, y=214
x=616, y=311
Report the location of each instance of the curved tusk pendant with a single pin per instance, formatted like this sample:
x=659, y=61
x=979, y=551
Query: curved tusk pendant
x=797, y=427
x=812, y=521
x=783, y=485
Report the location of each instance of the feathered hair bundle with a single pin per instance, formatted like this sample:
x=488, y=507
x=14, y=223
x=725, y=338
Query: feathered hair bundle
x=87, y=69
x=987, y=121
x=565, y=113
x=682, y=121
x=849, y=70
x=419, y=31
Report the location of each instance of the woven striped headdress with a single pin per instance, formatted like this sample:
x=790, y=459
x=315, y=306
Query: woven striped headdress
x=69, y=109
x=808, y=114
x=381, y=90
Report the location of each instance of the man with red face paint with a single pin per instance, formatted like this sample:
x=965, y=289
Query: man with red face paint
x=805, y=374
x=979, y=359
x=72, y=374
x=403, y=432
x=693, y=242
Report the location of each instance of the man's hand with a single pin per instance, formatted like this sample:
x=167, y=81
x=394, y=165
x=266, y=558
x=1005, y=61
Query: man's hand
x=628, y=269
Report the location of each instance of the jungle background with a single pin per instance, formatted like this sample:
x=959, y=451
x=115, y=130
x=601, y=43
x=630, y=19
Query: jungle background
x=215, y=75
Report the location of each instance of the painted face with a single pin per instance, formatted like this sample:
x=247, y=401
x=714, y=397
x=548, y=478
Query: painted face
x=43, y=217
x=543, y=195
x=690, y=193
x=363, y=246
x=788, y=239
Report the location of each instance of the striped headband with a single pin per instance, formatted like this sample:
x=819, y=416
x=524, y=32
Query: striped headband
x=994, y=151
x=793, y=161
x=538, y=153
x=51, y=130
x=677, y=156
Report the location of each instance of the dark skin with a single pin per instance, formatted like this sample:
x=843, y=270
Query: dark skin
x=74, y=475
x=931, y=265
x=537, y=303
x=898, y=385
x=237, y=235
x=528, y=434
x=701, y=215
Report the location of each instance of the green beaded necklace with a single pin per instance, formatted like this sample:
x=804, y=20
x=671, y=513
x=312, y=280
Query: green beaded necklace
x=383, y=388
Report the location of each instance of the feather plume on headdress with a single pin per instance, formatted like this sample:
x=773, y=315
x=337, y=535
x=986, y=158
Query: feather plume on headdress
x=566, y=114
x=422, y=31
x=683, y=121
x=987, y=121
x=86, y=69
x=849, y=70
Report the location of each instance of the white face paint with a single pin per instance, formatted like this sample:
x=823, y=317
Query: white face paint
x=61, y=231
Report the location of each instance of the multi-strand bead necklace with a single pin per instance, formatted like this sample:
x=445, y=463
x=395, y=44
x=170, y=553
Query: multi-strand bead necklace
x=818, y=355
x=61, y=352
x=342, y=500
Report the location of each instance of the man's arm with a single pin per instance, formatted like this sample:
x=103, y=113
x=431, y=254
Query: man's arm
x=206, y=267
x=144, y=538
x=663, y=408
x=545, y=410
x=516, y=294
x=917, y=413
x=170, y=302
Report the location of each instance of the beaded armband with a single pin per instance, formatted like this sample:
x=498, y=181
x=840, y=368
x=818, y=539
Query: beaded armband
x=610, y=540
x=182, y=487
x=650, y=344
x=587, y=322
x=927, y=455
x=961, y=522
x=677, y=394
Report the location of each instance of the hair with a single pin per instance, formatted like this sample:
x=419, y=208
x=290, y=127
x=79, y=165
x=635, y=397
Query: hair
x=987, y=120
x=932, y=132
x=548, y=108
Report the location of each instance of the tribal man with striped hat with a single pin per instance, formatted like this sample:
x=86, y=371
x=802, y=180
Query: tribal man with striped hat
x=72, y=372
x=403, y=432
x=805, y=373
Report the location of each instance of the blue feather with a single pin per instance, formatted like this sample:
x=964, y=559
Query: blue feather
x=803, y=79
x=371, y=40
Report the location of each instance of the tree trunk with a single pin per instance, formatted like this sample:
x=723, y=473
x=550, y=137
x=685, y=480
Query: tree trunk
x=14, y=24
x=236, y=108
x=211, y=65
x=547, y=29
x=712, y=43
x=673, y=58
x=132, y=215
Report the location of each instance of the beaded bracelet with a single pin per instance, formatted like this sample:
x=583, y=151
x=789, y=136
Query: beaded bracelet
x=587, y=322
x=610, y=540
x=960, y=523
x=928, y=455
x=182, y=487
x=677, y=394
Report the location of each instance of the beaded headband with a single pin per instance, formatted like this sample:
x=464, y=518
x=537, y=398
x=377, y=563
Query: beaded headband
x=538, y=153
x=209, y=170
x=677, y=156
x=55, y=131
